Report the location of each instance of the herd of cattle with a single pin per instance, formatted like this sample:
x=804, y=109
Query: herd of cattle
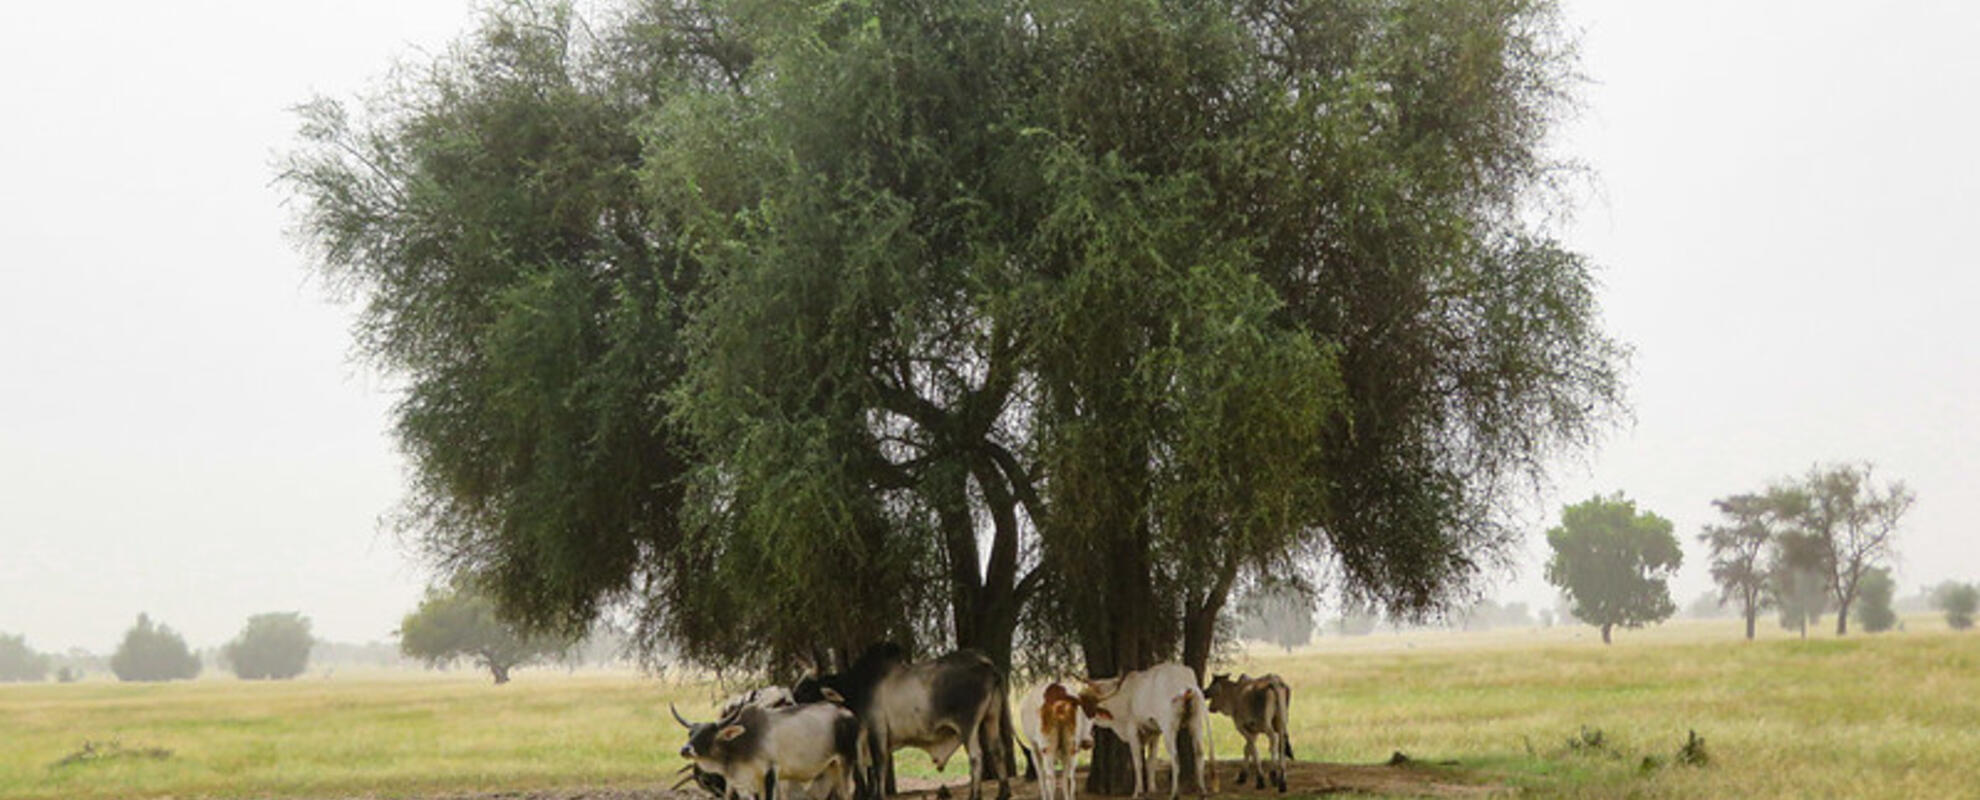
x=834, y=734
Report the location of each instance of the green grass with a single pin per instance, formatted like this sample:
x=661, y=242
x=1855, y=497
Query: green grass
x=1890, y=715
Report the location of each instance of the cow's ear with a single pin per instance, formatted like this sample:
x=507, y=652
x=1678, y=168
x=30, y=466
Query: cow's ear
x=832, y=695
x=1101, y=713
x=730, y=732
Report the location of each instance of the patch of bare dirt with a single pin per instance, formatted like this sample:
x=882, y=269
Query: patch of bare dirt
x=1303, y=779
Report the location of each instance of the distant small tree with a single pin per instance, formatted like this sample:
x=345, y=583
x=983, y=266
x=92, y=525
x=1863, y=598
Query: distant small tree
x=453, y=623
x=1873, y=595
x=1281, y=616
x=1797, y=583
x=1738, y=550
x=274, y=645
x=1614, y=563
x=1707, y=605
x=153, y=652
x=1959, y=601
x=18, y=662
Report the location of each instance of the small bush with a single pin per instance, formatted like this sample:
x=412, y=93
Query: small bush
x=1692, y=754
x=1959, y=601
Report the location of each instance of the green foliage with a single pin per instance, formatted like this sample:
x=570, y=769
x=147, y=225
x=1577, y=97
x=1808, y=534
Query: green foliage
x=1874, y=594
x=1073, y=316
x=1958, y=601
x=1847, y=524
x=18, y=662
x=455, y=623
x=153, y=652
x=485, y=212
x=1800, y=597
x=1613, y=562
x=1739, y=549
x=274, y=645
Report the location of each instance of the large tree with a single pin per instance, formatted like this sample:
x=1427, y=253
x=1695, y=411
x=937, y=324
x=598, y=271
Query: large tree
x=1014, y=325
x=1739, y=550
x=1614, y=563
x=454, y=623
x=1852, y=523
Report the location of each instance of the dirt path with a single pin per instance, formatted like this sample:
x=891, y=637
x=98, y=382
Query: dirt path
x=1304, y=779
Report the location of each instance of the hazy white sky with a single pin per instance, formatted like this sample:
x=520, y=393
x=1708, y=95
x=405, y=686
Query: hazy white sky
x=1784, y=218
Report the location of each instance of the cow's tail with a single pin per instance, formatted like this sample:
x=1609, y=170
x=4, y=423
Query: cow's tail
x=1006, y=738
x=1285, y=737
x=1195, y=722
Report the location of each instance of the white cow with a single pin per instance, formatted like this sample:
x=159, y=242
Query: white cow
x=1056, y=726
x=1146, y=706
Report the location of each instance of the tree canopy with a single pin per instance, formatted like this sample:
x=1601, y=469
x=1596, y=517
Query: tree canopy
x=153, y=652
x=274, y=645
x=1740, y=550
x=452, y=623
x=1613, y=562
x=18, y=662
x=1035, y=327
x=1849, y=522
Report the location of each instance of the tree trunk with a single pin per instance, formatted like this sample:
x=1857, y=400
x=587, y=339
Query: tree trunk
x=501, y=673
x=1842, y=618
x=1750, y=615
x=1605, y=632
x=1123, y=640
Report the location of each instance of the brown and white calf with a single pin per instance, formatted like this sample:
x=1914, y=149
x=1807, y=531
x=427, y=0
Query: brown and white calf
x=1056, y=726
x=1256, y=705
x=1146, y=706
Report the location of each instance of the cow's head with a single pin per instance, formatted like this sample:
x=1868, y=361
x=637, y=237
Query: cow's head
x=1221, y=693
x=1098, y=691
x=712, y=744
x=818, y=689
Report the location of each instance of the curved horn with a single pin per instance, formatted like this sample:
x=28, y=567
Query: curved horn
x=677, y=716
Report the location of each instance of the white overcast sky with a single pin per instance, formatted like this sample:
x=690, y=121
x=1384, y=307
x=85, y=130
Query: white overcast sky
x=1784, y=218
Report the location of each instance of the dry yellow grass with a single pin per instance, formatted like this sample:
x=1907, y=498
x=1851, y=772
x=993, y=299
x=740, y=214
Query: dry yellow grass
x=1888, y=715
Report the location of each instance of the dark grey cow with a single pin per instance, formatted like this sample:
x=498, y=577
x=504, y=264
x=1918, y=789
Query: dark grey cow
x=815, y=746
x=956, y=701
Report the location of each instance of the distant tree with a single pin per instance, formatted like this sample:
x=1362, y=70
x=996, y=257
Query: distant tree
x=1487, y=614
x=1875, y=594
x=1796, y=581
x=18, y=662
x=454, y=623
x=1282, y=617
x=153, y=652
x=1707, y=605
x=274, y=645
x=1851, y=520
x=1959, y=601
x=1738, y=551
x=1355, y=623
x=1613, y=563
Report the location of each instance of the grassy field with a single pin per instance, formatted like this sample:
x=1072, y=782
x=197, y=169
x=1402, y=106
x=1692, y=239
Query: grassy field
x=1891, y=715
